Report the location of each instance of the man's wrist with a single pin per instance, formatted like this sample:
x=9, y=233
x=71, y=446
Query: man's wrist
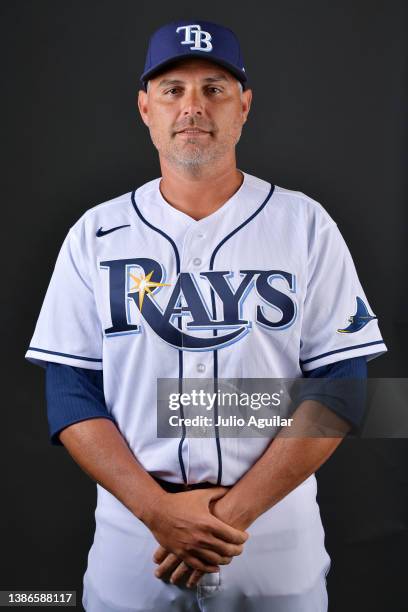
x=148, y=509
x=234, y=511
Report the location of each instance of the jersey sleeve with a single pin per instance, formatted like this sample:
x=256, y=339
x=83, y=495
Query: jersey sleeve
x=68, y=328
x=338, y=322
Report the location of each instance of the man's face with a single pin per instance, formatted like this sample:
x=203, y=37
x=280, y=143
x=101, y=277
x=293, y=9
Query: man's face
x=195, y=111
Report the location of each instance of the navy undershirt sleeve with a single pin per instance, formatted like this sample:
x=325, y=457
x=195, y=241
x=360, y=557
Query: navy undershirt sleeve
x=73, y=395
x=347, y=400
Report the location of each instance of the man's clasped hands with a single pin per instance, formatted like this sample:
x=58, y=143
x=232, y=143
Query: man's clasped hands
x=198, y=530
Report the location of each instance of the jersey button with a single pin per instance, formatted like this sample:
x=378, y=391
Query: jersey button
x=200, y=235
x=201, y=367
x=197, y=261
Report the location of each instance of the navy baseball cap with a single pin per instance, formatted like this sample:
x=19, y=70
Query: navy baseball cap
x=193, y=38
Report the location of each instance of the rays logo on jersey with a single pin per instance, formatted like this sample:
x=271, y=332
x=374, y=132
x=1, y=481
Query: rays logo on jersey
x=359, y=319
x=135, y=282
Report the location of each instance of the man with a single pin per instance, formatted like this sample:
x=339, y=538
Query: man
x=205, y=272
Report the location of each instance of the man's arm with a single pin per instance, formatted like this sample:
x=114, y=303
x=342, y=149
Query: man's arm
x=289, y=460
x=293, y=455
x=285, y=464
x=78, y=418
x=182, y=522
x=298, y=451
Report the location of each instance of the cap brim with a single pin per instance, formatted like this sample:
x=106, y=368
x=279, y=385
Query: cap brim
x=216, y=60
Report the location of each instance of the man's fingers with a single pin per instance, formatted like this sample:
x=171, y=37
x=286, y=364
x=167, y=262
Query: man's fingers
x=223, y=548
x=167, y=566
x=227, y=533
x=197, y=564
x=194, y=578
x=180, y=573
x=210, y=556
x=212, y=552
x=160, y=554
x=171, y=562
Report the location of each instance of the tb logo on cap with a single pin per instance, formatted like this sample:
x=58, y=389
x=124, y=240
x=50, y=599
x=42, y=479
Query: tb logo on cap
x=194, y=35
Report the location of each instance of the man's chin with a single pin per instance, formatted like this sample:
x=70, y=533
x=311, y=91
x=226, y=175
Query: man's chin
x=192, y=163
x=192, y=160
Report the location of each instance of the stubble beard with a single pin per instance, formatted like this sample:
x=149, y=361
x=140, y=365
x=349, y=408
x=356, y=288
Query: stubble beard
x=191, y=155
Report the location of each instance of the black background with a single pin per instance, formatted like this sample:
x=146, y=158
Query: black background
x=328, y=118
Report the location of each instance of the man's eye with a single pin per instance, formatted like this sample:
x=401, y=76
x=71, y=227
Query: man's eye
x=175, y=90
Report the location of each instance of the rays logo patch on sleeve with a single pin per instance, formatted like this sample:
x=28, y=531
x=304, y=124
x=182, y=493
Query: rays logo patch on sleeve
x=359, y=319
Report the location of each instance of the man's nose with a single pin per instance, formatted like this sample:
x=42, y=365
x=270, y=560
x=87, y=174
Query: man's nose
x=193, y=103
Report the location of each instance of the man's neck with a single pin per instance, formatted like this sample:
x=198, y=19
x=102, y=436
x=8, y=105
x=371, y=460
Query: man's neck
x=199, y=195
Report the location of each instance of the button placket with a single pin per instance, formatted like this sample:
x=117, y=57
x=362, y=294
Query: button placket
x=197, y=365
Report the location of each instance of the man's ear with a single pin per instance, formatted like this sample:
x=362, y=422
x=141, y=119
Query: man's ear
x=246, y=103
x=143, y=106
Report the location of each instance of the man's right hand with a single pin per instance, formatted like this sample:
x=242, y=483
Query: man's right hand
x=183, y=524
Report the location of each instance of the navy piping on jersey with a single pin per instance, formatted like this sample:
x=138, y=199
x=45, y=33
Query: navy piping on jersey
x=32, y=348
x=341, y=350
x=215, y=332
x=180, y=352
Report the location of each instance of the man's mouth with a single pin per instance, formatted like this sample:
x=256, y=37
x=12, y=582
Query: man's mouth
x=195, y=131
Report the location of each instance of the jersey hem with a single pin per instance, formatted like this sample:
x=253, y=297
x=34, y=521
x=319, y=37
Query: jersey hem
x=40, y=357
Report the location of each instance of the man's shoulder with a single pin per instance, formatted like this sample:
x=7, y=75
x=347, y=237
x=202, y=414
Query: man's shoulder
x=115, y=211
x=289, y=198
x=299, y=200
x=299, y=209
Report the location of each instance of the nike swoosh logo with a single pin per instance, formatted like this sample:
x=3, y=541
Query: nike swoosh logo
x=102, y=232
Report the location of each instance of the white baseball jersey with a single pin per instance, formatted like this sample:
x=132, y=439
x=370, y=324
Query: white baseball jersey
x=264, y=287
